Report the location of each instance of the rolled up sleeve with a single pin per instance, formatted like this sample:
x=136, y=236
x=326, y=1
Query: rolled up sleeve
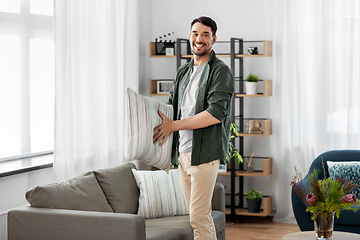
x=220, y=93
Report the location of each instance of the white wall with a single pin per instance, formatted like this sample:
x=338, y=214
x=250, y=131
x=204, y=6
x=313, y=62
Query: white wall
x=247, y=19
x=13, y=188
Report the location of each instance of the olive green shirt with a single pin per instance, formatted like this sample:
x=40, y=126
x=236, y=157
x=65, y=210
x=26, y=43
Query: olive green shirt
x=215, y=92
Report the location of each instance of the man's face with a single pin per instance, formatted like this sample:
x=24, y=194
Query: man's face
x=201, y=39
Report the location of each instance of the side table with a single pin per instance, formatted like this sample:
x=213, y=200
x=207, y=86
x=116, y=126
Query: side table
x=308, y=235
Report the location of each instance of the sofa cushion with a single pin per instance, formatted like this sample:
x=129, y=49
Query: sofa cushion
x=80, y=193
x=348, y=170
x=142, y=117
x=176, y=228
x=119, y=187
x=160, y=193
x=348, y=217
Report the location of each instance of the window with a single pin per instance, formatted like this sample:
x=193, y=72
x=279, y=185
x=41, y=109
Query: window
x=26, y=77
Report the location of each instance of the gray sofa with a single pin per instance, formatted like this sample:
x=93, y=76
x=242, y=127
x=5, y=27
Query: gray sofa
x=73, y=215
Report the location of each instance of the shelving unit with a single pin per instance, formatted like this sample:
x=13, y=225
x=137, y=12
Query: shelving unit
x=237, y=46
x=237, y=57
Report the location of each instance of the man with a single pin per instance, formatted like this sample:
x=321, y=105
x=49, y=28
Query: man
x=201, y=99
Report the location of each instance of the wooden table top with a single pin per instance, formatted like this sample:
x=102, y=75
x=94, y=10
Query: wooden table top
x=308, y=235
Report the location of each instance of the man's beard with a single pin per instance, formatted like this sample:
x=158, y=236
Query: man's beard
x=200, y=54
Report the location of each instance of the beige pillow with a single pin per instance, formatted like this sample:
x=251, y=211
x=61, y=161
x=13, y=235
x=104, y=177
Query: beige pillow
x=80, y=193
x=141, y=119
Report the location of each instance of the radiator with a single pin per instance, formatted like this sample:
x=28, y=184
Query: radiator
x=3, y=226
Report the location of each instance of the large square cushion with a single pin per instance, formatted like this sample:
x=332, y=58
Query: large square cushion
x=119, y=187
x=80, y=193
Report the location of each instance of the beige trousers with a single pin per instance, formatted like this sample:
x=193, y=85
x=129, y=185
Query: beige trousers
x=197, y=183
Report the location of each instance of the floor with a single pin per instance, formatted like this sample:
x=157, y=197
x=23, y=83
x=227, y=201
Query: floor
x=249, y=228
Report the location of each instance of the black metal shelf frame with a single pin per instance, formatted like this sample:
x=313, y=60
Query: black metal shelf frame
x=237, y=44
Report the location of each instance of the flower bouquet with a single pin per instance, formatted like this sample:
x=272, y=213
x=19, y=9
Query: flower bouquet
x=324, y=198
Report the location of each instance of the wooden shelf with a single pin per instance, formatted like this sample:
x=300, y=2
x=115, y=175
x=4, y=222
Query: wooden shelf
x=267, y=130
x=153, y=55
x=267, y=170
x=153, y=51
x=153, y=88
x=267, y=90
x=267, y=52
x=267, y=209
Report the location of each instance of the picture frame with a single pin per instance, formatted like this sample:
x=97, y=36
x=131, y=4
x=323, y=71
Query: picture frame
x=169, y=51
x=164, y=86
x=222, y=168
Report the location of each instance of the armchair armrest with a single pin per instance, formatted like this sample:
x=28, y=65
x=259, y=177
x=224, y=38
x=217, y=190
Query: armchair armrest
x=302, y=217
x=43, y=224
x=218, y=200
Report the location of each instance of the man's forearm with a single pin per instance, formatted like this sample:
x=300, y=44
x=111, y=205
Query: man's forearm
x=200, y=120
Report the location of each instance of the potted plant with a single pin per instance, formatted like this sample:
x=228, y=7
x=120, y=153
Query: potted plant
x=251, y=85
x=254, y=198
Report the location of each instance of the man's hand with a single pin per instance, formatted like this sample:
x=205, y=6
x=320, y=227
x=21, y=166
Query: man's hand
x=200, y=120
x=164, y=130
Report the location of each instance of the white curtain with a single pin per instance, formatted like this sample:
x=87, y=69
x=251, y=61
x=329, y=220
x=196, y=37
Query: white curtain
x=316, y=105
x=96, y=47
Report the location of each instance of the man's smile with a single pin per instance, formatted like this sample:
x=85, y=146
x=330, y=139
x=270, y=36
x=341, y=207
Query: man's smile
x=199, y=46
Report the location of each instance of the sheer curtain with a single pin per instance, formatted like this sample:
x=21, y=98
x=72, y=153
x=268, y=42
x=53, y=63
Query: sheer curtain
x=96, y=49
x=316, y=89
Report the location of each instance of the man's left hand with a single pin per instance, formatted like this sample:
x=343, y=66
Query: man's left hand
x=163, y=131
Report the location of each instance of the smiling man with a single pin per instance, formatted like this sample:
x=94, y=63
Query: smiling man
x=201, y=99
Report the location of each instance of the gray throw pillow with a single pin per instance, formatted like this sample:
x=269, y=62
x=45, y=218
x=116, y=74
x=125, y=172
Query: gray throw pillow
x=80, y=193
x=119, y=187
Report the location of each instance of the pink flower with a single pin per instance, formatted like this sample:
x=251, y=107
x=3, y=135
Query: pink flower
x=311, y=199
x=348, y=198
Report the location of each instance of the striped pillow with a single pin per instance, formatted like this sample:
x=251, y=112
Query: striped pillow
x=160, y=193
x=142, y=117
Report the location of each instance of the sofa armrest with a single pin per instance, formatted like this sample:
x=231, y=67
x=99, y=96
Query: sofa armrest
x=43, y=224
x=218, y=200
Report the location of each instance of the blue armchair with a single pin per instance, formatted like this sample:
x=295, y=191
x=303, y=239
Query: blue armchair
x=348, y=221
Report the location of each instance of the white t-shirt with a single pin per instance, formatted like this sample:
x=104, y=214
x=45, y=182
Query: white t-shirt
x=188, y=107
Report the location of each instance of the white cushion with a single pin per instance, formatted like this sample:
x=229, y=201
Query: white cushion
x=160, y=193
x=142, y=117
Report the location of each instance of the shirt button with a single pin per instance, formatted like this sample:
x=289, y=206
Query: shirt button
x=180, y=101
x=183, y=86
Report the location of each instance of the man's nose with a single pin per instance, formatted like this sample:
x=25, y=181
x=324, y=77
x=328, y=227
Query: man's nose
x=199, y=38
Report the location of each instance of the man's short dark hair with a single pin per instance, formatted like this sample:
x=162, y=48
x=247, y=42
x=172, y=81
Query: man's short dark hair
x=207, y=22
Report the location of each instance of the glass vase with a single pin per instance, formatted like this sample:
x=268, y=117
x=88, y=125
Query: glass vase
x=324, y=225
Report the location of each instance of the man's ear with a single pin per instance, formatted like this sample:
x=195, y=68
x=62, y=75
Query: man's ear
x=214, y=39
